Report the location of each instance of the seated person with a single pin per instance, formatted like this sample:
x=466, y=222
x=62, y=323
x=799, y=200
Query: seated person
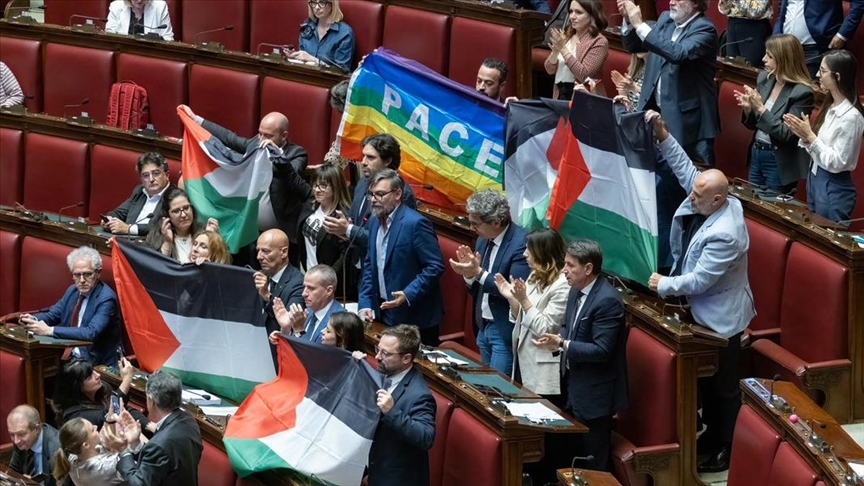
x=132, y=217
x=538, y=5
x=88, y=311
x=30, y=435
x=10, y=90
x=82, y=458
x=325, y=38
x=131, y=17
x=209, y=246
x=172, y=228
x=491, y=78
x=79, y=392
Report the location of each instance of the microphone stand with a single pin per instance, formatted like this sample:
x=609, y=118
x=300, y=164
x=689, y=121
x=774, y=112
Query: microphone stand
x=152, y=36
x=212, y=46
x=88, y=27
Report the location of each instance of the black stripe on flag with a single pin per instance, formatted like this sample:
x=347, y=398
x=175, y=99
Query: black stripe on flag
x=528, y=118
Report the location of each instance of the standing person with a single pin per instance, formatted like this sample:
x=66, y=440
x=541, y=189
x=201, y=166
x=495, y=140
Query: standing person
x=834, y=151
x=34, y=444
x=579, y=51
x=278, y=279
x=709, y=243
x=776, y=160
x=819, y=24
x=748, y=29
x=325, y=38
x=138, y=17
x=132, y=217
x=630, y=84
x=319, y=287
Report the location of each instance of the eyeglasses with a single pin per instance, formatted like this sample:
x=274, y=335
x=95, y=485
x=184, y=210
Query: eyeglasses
x=146, y=176
x=321, y=186
x=183, y=209
x=386, y=354
x=379, y=194
x=76, y=276
x=319, y=4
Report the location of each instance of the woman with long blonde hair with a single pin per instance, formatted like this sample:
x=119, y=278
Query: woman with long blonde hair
x=325, y=38
x=82, y=458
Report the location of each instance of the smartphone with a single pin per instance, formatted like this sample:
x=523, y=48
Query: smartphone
x=289, y=48
x=104, y=218
x=115, y=403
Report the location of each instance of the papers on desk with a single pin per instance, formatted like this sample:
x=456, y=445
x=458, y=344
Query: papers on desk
x=858, y=468
x=200, y=397
x=440, y=357
x=533, y=411
x=218, y=411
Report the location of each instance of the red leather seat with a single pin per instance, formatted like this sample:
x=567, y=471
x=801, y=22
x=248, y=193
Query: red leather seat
x=276, y=22
x=10, y=261
x=753, y=448
x=769, y=250
x=215, y=468
x=308, y=110
x=401, y=28
x=45, y=277
x=473, y=453
x=175, y=11
x=24, y=58
x=113, y=174
x=367, y=20
x=229, y=98
x=14, y=387
x=790, y=469
x=167, y=84
x=56, y=174
x=457, y=314
x=200, y=16
x=732, y=145
x=12, y=166
x=720, y=21
x=59, y=11
x=617, y=61
x=436, y=454
x=75, y=73
x=472, y=41
x=858, y=179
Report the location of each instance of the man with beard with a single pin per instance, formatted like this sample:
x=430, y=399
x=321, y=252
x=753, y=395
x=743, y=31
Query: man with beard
x=491, y=78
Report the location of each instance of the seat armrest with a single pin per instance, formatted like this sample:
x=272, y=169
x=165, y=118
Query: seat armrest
x=781, y=356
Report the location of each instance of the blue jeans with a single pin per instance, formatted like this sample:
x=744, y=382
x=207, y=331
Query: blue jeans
x=831, y=195
x=764, y=171
x=496, y=346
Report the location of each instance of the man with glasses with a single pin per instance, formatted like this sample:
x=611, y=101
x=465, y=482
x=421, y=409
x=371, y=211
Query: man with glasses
x=88, y=311
x=400, y=282
x=406, y=429
x=131, y=217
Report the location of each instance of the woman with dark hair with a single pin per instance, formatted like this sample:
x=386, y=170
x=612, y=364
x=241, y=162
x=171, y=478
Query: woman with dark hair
x=344, y=330
x=172, y=229
x=579, y=51
x=538, y=307
x=79, y=392
x=834, y=141
x=81, y=457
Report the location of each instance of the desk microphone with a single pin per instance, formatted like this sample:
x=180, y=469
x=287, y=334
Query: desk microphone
x=86, y=17
x=79, y=204
x=774, y=380
x=275, y=55
x=75, y=105
x=327, y=63
x=211, y=31
x=722, y=49
x=152, y=35
x=573, y=482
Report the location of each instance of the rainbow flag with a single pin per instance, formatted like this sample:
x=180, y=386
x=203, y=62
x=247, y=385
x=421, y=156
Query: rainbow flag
x=452, y=137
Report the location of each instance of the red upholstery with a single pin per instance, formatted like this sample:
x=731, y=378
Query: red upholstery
x=457, y=313
x=166, y=83
x=858, y=178
x=720, y=21
x=14, y=388
x=611, y=11
x=174, y=11
x=768, y=252
x=308, y=110
x=12, y=166
x=471, y=41
x=276, y=22
x=117, y=170
x=473, y=453
x=617, y=61
x=46, y=276
x=790, y=469
x=75, y=73
x=401, y=28
x=229, y=98
x=733, y=142
x=200, y=15
x=24, y=58
x=753, y=448
x=59, y=11
x=367, y=20
x=55, y=174
x=10, y=262
x=215, y=468
x=436, y=454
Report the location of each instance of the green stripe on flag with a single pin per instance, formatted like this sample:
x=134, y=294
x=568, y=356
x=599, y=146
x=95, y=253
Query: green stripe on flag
x=238, y=216
x=250, y=455
x=534, y=217
x=234, y=389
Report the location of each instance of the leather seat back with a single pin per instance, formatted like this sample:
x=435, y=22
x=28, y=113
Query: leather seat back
x=402, y=26
x=198, y=17
x=367, y=20
x=59, y=11
x=444, y=409
x=472, y=41
x=10, y=262
x=24, y=59
x=56, y=174
x=113, y=174
x=753, y=448
x=229, y=98
x=617, y=61
x=14, y=386
x=167, y=84
x=790, y=469
x=74, y=73
x=769, y=250
x=276, y=22
x=732, y=145
x=215, y=468
x=308, y=110
x=45, y=277
x=455, y=293
x=12, y=166
x=473, y=453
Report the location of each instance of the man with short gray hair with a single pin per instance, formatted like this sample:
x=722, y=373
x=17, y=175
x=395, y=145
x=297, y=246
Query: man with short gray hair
x=88, y=311
x=34, y=444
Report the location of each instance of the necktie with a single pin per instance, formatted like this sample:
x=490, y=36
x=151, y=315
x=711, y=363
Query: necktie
x=385, y=385
x=73, y=322
x=478, y=301
x=580, y=299
x=313, y=323
x=29, y=466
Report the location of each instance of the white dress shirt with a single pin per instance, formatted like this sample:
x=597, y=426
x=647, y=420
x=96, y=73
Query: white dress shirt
x=838, y=144
x=795, y=23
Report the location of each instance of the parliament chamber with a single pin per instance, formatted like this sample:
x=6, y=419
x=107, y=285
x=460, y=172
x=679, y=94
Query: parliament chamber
x=59, y=175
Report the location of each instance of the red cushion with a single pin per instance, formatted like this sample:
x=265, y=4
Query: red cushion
x=229, y=98
x=473, y=454
x=75, y=73
x=401, y=28
x=200, y=16
x=455, y=292
x=276, y=22
x=753, y=448
x=119, y=166
x=46, y=276
x=308, y=110
x=768, y=252
x=814, y=332
x=215, y=468
x=174, y=11
x=367, y=20
x=12, y=166
x=617, y=61
x=24, y=59
x=14, y=389
x=166, y=83
x=10, y=261
x=59, y=11
x=790, y=469
x=55, y=174
x=472, y=41
x=733, y=142
x=436, y=454
x=720, y=20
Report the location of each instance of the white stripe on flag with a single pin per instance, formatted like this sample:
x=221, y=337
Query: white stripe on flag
x=528, y=175
x=241, y=180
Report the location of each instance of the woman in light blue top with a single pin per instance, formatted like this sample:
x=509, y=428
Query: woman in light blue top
x=324, y=38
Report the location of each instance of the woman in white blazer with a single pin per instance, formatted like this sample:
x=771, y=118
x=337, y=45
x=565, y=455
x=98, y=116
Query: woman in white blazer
x=537, y=306
x=128, y=17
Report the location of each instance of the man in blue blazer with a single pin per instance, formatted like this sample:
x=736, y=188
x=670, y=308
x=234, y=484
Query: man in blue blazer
x=319, y=292
x=709, y=242
x=406, y=429
x=819, y=25
x=679, y=75
x=88, y=311
x=500, y=249
x=593, y=348
x=400, y=283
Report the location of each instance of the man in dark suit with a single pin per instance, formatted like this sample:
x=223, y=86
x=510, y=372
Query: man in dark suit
x=171, y=457
x=34, y=444
x=593, y=348
x=88, y=311
x=819, y=25
x=404, y=264
x=679, y=75
x=131, y=217
x=500, y=249
x=406, y=430
x=319, y=292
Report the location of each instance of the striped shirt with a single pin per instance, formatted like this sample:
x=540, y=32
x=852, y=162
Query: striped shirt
x=10, y=90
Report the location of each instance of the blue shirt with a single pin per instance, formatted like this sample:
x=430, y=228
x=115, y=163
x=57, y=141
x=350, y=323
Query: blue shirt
x=335, y=48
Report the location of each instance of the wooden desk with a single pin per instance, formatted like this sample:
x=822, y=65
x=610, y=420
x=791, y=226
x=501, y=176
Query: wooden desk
x=590, y=478
x=51, y=230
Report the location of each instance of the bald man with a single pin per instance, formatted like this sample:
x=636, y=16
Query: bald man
x=709, y=242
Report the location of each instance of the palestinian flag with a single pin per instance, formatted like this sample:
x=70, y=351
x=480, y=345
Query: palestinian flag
x=203, y=323
x=317, y=418
x=537, y=133
x=606, y=188
x=224, y=184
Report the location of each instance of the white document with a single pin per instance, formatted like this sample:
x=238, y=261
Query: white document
x=200, y=397
x=440, y=357
x=533, y=411
x=219, y=411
